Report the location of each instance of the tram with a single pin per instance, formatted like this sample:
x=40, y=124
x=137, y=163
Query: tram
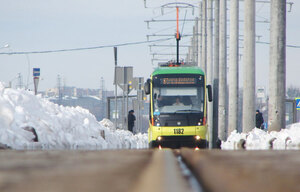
x=178, y=98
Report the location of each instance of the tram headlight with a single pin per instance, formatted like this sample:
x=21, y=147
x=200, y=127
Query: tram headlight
x=158, y=124
x=159, y=138
x=197, y=137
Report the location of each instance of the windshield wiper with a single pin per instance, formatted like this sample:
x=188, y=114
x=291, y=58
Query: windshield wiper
x=188, y=110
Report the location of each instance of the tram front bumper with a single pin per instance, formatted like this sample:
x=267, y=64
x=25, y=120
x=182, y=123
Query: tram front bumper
x=179, y=141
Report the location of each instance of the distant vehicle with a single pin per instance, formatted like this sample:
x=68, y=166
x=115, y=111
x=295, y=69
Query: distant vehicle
x=178, y=100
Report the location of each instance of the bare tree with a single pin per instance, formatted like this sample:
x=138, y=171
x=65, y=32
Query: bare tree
x=292, y=92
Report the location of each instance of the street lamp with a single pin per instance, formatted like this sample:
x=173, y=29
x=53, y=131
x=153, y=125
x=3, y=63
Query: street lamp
x=28, y=64
x=13, y=79
x=5, y=46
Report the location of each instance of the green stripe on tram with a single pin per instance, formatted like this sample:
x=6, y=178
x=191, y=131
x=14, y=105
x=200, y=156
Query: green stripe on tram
x=176, y=70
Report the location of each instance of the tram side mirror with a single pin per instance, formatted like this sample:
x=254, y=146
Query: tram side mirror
x=209, y=91
x=147, y=87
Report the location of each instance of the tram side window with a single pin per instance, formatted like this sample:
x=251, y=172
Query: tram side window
x=200, y=100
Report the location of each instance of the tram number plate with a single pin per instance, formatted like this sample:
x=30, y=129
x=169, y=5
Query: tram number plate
x=178, y=131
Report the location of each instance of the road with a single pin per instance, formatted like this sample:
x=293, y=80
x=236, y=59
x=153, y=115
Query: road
x=148, y=170
x=118, y=170
x=265, y=170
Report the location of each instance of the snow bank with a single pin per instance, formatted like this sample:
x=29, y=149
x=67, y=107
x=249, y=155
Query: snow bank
x=56, y=127
x=288, y=138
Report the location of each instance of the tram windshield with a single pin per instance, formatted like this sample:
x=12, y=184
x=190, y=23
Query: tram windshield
x=178, y=99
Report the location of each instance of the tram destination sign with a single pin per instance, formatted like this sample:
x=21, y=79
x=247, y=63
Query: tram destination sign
x=178, y=81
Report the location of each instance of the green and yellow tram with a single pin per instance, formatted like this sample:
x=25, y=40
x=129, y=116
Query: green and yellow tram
x=178, y=107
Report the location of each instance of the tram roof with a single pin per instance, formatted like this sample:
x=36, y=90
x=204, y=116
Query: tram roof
x=177, y=70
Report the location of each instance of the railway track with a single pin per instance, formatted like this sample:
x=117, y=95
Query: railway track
x=149, y=170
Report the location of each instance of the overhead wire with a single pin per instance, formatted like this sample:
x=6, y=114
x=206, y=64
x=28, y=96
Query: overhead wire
x=183, y=22
x=165, y=29
x=171, y=48
x=82, y=48
x=167, y=13
x=183, y=25
x=268, y=43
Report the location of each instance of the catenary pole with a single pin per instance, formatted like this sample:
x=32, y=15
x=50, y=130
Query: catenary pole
x=210, y=66
x=116, y=86
x=127, y=107
x=222, y=71
x=204, y=36
x=277, y=73
x=196, y=39
x=177, y=34
x=189, y=54
x=123, y=116
x=233, y=75
x=200, y=36
x=249, y=67
x=216, y=71
x=193, y=46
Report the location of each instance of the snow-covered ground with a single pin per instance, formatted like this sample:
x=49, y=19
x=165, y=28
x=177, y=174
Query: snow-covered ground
x=288, y=138
x=57, y=127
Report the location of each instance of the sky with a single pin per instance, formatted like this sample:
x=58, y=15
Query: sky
x=33, y=25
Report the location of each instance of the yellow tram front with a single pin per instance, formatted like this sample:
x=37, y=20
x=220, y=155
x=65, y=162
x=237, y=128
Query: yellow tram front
x=177, y=108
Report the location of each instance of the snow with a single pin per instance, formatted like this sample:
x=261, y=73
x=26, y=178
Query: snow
x=57, y=127
x=258, y=139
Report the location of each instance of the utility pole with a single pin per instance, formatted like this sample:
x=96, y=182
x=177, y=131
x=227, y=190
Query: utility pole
x=59, y=89
x=123, y=116
x=178, y=37
x=222, y=71
x=188, y=57
x=102, y=97
x=140, y=101
x=193, y=42
x=277, y=73
x=192, y=49
x=216, y=73
x=249, y=67
x=196, y=39
x=210, y=66
x=127, y=107
x=233, y=66
x=200, y=36
x=204, y=40
x=116, y=86
x=20, y=81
